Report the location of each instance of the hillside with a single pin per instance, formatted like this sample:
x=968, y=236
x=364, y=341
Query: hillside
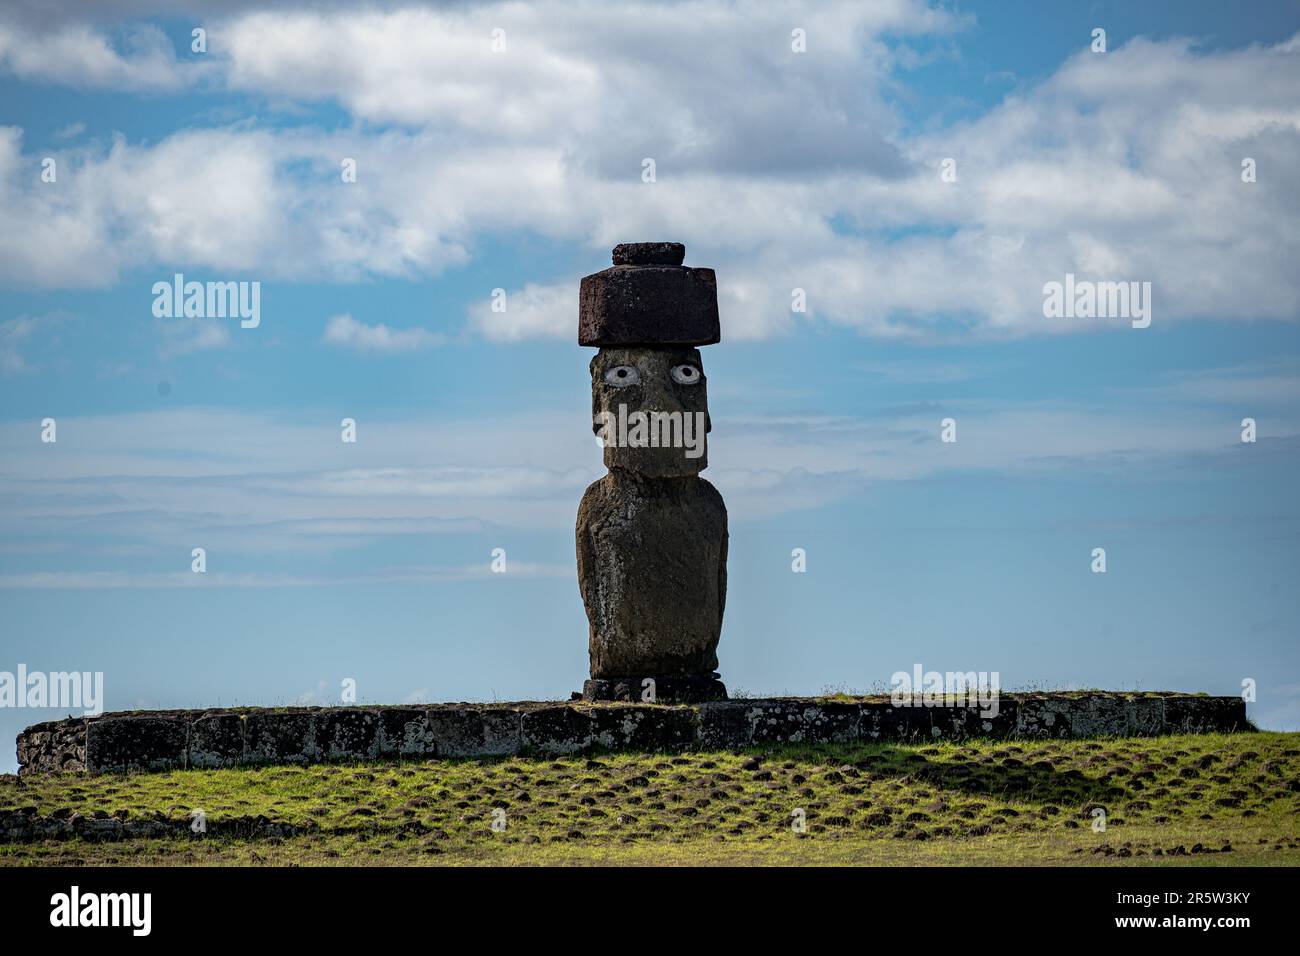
x=1202, y=799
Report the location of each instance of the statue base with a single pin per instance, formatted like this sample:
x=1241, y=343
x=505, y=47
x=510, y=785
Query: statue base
x=673, y=689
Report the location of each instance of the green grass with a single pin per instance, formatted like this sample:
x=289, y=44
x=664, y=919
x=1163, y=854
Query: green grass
x=981, y=802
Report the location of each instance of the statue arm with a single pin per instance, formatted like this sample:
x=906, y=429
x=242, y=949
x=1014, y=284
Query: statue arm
x=586, y=556
x=722, y=571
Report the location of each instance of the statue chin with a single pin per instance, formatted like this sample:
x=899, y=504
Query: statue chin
x=656, y=462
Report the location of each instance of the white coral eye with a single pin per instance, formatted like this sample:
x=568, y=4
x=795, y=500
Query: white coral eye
x=621, y=376
x=686, y=375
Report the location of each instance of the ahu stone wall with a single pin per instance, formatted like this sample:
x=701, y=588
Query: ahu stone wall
x=166, y=740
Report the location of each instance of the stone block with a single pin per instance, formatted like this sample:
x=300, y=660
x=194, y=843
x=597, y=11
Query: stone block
x=561, y=729
x=882, y=721
x=472, y=732
x=119, y=744
x=1038, y=716
x=405, y=732
x=672, y=689
x=647, y=728
x=649, y=254
x=1186, y=714
x=797, y=721
x=347, y=733
x=281, y=737
x=724, y=725
x=216, y=740
x=649, y=305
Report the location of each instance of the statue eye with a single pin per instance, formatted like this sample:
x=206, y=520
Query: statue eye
x=621, y=376
x=686, y=375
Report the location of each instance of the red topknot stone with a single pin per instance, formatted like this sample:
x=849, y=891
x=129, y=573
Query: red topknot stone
x=649, y=254
x=649, y=298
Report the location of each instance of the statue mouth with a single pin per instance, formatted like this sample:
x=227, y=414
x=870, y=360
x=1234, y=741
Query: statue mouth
x=647, y=428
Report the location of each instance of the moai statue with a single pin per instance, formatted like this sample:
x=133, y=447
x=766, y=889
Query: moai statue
x=652, y=534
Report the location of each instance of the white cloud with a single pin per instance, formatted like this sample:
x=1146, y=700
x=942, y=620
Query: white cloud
x=186, y=336
x=100, y=580
x=345, y=331
x=1250, y=388
x=18, y=332
x=80, y=580
x=12, y=334
x=253, y=484
x=139, y=58
x=572, y=74
x=535, y=311
x=779, y=170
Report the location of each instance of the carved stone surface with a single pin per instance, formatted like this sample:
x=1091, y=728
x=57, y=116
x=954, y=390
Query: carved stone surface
x=168, y=740
x=651, y=689
x=651, y=535
x=672, y=442
x=649, y=254
x=652, y=567
x=140, y=743
x=649, y=305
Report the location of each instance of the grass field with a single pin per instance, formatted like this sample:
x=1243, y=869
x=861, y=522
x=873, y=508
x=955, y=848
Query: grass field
x=1201, y=800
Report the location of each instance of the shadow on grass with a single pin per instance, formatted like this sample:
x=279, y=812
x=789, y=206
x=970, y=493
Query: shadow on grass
x=1000, y=774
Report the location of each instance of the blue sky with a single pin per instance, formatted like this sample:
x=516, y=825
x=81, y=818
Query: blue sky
x=519, y=170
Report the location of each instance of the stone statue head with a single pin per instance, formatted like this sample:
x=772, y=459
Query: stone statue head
x=650, y=408
x=646, y=314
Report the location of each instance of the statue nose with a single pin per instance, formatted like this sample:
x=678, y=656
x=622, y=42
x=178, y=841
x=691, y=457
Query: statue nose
x=659, y=397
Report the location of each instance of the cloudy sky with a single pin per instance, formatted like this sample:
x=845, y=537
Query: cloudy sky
x=920, y=171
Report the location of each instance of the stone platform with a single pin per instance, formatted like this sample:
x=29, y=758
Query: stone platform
x=169, y=740
x=667, y=690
